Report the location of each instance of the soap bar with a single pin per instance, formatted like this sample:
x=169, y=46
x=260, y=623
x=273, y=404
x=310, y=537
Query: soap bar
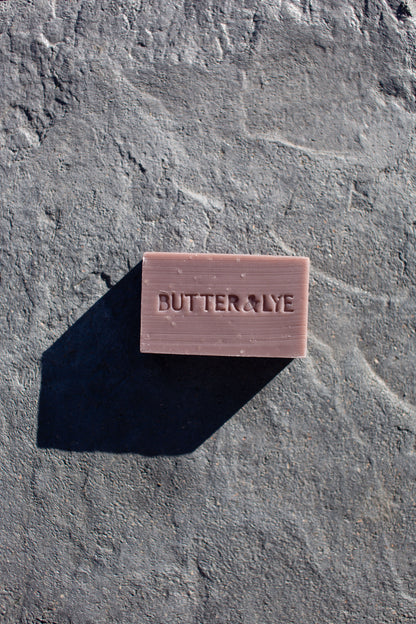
x=223, y=304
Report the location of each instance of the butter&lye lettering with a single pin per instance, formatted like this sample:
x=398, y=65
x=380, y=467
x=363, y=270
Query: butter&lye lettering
x=210, y=302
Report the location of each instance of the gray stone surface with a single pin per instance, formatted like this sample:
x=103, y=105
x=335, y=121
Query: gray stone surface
x=173, y=490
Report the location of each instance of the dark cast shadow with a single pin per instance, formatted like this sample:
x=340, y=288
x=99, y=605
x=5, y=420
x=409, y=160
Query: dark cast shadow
x=99, y=393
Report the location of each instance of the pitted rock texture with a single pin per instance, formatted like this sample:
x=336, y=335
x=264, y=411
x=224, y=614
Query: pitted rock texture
x=149, y=489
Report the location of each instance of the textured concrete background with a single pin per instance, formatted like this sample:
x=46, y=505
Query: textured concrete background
x=182, y=490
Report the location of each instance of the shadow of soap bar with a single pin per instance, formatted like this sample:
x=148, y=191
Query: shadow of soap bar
x=220, y=304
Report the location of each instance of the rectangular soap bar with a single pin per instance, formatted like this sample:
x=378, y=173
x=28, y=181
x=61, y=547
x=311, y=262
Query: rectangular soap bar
x=220, y=304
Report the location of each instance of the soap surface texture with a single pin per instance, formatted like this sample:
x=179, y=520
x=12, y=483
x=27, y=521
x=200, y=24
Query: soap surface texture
x=223, y=304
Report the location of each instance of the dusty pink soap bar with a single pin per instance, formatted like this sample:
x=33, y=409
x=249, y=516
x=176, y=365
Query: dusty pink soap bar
x=220, y=304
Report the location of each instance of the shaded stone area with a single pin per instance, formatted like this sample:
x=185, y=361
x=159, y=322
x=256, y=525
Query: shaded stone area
x=98, y=393
x=157, y=489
